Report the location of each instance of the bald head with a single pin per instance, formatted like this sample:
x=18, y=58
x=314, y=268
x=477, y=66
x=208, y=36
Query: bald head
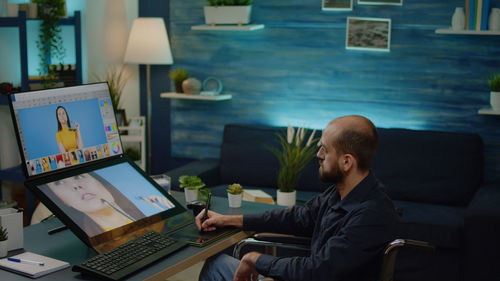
x=355, y=135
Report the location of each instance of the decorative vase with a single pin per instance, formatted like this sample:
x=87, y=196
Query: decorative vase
x=227, y=14
x=3, y=248
x=286, y=198
x=458, y=19
x=191, y=86
x=495, y=100
x=234, y=200
x=494, y=19
x=191, y=194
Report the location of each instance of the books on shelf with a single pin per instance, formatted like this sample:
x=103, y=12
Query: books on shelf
x=257, y=195
x=476, y=14
x=26, y=265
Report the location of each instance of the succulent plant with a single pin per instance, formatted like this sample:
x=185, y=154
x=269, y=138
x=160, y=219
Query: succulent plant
x=235, y=188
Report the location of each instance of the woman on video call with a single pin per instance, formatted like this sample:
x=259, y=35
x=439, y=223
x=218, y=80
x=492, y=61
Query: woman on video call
x=93, y=202
x=68, y=138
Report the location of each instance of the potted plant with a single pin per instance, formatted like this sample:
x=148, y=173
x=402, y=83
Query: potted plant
x=178, y=76
x=293, y=158
x=50, y=42
x=228, y=12
x=494, y=84
x=235, y=195
x=116, y=82
x=3, y=241
x=191, y=185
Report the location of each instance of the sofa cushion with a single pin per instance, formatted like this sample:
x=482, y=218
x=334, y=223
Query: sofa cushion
x=428, y=166
x=246, y=159
x=436, y=224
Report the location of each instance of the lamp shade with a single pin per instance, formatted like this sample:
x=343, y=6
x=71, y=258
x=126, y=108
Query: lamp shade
x=148, y=42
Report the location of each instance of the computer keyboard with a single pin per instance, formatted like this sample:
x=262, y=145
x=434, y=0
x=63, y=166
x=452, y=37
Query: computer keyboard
x=130, y=257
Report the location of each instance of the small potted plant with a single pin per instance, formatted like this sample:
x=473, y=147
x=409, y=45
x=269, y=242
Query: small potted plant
x=228, y=12
x=191, y=185
x=235, y=195
x=3, y=241
x=494, y=84
x=293, y=157
x=178, y=76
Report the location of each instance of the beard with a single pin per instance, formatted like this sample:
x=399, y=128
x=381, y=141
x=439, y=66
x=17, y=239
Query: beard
x=335, y=176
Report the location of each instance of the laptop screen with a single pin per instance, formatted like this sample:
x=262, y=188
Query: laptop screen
x=64, y=127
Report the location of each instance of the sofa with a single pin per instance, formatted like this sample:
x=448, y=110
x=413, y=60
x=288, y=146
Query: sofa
x=435, y=180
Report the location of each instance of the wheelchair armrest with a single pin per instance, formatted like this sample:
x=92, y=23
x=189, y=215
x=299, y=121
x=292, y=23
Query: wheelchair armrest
x=274, y=240
x=391, y=252
x=408, y=243
x=282, y=238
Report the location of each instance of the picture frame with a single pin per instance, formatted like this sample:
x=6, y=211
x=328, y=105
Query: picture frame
x=336, y=5
x=369, y=34
x=381, y=2
x=121, y=117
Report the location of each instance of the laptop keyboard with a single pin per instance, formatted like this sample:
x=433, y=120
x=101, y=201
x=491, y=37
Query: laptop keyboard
x=130, y=257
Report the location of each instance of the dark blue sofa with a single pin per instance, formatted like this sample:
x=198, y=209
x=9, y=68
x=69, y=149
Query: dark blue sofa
x=434, y=178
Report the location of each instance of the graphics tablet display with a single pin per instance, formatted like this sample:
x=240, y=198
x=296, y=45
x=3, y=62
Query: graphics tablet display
x=106, y=198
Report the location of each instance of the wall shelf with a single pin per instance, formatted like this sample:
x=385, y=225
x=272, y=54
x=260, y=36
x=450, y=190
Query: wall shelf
x=195, y=97
x=246, y=27
x=467, y=32
x=20, y=23
x=488, y=111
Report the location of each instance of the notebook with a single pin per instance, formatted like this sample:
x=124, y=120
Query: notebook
x=30, y=269
x=74, y=162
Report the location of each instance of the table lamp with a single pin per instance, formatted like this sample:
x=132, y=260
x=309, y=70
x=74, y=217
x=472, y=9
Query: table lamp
x=148, y=44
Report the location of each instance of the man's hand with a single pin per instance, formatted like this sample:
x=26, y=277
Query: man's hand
x=246, y=270
x=215, y=220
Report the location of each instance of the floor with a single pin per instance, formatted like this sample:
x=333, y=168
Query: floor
x=190, y=274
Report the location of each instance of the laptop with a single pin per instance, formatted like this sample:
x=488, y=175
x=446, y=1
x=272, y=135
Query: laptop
x=73, y=159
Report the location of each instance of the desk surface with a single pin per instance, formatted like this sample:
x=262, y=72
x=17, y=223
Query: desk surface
x=66, y=246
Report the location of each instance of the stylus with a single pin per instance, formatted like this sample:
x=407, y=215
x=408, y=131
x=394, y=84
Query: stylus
x=57, y=229
x=207, y=206
x=118, y=209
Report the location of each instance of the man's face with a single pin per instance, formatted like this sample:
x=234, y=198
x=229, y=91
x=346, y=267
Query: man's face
x=329, y=167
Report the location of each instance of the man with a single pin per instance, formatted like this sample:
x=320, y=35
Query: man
x=350, y=223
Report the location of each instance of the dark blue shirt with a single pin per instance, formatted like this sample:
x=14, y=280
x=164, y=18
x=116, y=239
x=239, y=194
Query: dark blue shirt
x=348, y=235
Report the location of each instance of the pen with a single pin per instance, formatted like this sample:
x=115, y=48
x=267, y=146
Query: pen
x=26, y=261
x=207, y=206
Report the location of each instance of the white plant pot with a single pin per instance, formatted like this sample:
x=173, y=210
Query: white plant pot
x=227, y=14
x=191, y=194
x=3, y=248
x=287, y=198
x=234, y=200
x=495, y=100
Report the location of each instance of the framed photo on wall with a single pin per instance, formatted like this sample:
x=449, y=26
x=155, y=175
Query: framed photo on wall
x=371, y=34
x=336, y=5
x=381, y=2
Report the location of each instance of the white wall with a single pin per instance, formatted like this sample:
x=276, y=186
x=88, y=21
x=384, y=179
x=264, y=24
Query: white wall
x=108, y=25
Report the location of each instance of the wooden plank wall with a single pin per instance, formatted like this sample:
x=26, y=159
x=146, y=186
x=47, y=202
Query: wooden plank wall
x=298, y=71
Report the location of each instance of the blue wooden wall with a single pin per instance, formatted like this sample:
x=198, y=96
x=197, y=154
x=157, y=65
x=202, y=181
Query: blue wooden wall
x=298, y=71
